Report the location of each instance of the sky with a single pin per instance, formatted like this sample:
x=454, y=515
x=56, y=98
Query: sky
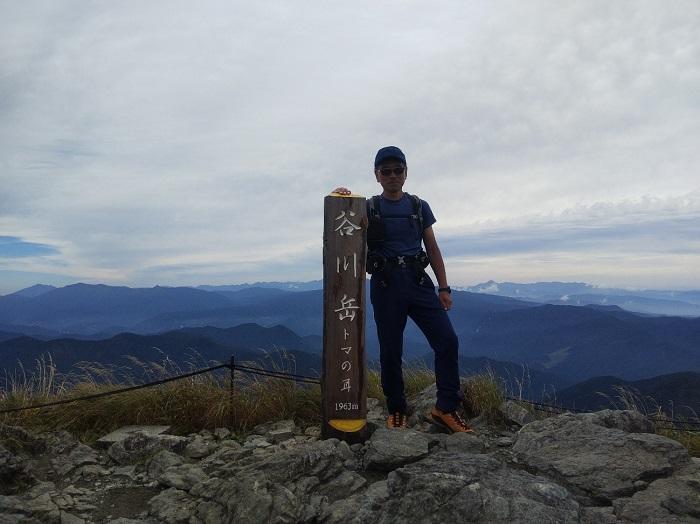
x=187, y=143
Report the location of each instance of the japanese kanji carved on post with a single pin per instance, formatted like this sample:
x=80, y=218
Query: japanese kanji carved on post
x=344, y=255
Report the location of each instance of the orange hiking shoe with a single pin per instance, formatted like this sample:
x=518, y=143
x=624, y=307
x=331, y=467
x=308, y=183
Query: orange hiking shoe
x=397, y=421
x=452, y=421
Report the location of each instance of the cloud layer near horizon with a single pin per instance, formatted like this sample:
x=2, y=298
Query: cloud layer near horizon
x=174, y=144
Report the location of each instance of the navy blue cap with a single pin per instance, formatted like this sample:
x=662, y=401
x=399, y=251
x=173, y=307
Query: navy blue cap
x=389, y=152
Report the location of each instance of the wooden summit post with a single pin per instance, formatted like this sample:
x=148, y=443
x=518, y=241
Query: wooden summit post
x=344, y=376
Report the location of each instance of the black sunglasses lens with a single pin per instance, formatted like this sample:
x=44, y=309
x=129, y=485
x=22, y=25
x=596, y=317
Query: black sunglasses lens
x=387, y=171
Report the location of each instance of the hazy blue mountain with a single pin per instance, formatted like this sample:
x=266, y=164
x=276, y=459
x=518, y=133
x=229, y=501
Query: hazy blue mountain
x=258, y=337
x=37, y=332
x=677, y=393
x=302, y=312
x=183, y=348
x=578, y=343
x=657, y=302
x=86, y=308
x=251, y=295
x=575, y=343
x=96, y=311
x=33, y=291
x=5, y=335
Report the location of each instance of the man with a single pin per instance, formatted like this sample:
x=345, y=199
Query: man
x=400, y=288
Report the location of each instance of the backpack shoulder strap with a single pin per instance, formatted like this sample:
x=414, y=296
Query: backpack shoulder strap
x=417, y=209
x=373, y=206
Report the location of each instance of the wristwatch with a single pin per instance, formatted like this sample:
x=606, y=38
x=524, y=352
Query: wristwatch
x=440, y=290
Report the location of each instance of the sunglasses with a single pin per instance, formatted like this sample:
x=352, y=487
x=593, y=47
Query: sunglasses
x=388, y=171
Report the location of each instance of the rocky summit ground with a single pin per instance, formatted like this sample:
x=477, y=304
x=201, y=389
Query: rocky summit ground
x=597, y=468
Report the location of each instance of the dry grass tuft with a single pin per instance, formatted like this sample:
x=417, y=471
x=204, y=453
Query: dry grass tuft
x=189, y=404
x=483, y=395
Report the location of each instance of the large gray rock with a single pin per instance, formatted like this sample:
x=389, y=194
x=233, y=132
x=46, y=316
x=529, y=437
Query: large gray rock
x=209, y=511
x=598, y=463
x=376, y=413
x=33, y=503
x=598, y=515
x=138, y=447
x=360, y=508
x=124, y=432
x=627, y=420
x=464, y=443
x=452, y=487
x=228, y=454
x=162, y=461
x=286, y=486
x=15, y=518
x=325, y=459
x=480, y=488
x=280, y=435
x=60, y=442
x=173, y=506
x=514, y=413
x=183, y=476
x=199, y=447
x=389, y=449
x=313, y=431
x=267, y=427
x=674, y=499
x=79, y=455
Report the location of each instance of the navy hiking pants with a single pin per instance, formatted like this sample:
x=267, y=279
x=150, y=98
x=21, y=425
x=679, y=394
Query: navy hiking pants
x=403, y=297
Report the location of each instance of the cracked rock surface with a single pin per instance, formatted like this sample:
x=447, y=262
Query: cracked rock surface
x=600, y=468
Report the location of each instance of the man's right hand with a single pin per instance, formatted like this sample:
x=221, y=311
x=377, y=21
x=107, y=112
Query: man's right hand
x=342, y=191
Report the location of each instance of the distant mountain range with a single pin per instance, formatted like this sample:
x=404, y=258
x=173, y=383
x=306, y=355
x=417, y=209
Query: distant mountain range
x=33, y=291
x=578, y=343
x=655, y=302
x=275, y=347
x=573, y=343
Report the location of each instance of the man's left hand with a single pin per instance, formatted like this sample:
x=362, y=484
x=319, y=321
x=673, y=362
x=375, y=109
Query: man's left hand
x=445, y=300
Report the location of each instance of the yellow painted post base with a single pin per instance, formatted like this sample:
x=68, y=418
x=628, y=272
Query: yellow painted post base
x=347, y=425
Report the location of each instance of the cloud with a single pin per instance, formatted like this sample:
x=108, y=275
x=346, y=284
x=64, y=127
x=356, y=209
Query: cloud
x=170, y=143
x=650, y=225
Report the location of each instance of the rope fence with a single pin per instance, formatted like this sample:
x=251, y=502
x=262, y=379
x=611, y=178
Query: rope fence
x=660, y=422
